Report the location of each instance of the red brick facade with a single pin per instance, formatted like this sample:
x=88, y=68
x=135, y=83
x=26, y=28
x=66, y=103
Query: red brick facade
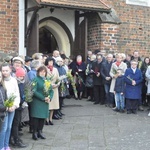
x=9, y=26
x=103, y=36
x=132, y=34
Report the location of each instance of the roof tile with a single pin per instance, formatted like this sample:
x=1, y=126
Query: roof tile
x=84, y=4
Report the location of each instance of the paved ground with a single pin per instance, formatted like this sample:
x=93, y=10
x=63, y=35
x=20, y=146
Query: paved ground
x=93, y=127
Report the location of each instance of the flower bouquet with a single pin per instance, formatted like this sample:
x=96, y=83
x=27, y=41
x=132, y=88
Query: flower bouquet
x=47, y=86
x=114, y=71
x=29, y=91
x=62, y=88
x=71, y=79
x=10, y=101
x=80, y=80
x=60, y=79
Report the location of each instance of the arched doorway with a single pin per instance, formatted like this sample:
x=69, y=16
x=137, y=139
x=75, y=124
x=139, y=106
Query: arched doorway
x=54, y=34
x=47, y=41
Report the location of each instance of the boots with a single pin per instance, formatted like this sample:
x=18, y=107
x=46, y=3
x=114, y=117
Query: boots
x=60, y=113
x=40, y=135
x=34, y=135
x=18, y=143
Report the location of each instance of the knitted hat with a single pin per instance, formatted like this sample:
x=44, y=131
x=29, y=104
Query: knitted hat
x=18, y=59
x=20, y=72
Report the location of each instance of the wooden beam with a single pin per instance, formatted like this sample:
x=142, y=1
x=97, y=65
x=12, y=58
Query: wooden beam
x=32, y=9
x=31, y=23
x=86, y=36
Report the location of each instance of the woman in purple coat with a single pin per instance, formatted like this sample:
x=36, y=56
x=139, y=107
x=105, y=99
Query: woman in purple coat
x=133, y=79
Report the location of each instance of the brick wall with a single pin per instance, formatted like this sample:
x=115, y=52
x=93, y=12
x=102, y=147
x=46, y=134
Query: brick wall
x=135, y=27
x=8, y=26
x=102, y=36
x=94, y=32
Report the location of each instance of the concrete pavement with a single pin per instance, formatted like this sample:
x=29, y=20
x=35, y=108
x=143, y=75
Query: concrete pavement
x=93, y=127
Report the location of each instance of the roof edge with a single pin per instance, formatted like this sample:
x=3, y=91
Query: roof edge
x=105, y=4
x=76, y=7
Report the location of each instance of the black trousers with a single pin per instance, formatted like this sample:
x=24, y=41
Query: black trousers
x=15, y=125
x=61, y=99
x=38, y=124
x=90, y=92
x=132, y=104
x=30, y=118
x=99, y=94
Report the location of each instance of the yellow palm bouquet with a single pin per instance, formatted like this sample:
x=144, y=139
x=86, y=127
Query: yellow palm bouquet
x=71, y=79
x=47, y=85
x=10, y=101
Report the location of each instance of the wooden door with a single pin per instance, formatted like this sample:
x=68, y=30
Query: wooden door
x=33, y=37
x=80, y=43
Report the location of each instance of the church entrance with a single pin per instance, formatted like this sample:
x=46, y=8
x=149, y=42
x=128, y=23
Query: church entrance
x=47, y=41
x=54, y=35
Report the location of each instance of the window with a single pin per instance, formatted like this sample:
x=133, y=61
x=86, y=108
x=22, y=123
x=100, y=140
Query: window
x=139, y=2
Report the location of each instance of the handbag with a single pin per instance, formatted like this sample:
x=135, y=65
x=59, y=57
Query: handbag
x=89, y=81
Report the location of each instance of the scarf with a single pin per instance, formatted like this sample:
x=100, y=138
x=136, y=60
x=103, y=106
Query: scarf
x=118, y=63
x=79, y=63
x=7, y=78
x=20, y=81
x=50, y=68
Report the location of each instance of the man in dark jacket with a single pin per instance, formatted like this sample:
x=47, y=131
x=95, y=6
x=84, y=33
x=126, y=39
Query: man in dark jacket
x=98, y=81
x=105, y=69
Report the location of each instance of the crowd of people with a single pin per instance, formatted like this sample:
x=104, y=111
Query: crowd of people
x=35, y=88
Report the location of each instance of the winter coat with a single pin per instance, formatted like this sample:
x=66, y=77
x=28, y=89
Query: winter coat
x=105, y=69
x=89, y=75
x=39, y=108
x=63, y=89
x=54, y=104
x=119, y=85
x=81, y=74
x=114, y=67
x=32, y=74
x=133, y=91
x=96, y=68
x=22, y=95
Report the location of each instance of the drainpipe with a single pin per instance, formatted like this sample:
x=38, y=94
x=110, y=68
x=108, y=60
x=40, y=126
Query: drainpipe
x=86, y=34
x=22, y=50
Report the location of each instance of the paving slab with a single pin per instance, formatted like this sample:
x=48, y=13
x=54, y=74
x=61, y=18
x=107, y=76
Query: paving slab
x=93, y=127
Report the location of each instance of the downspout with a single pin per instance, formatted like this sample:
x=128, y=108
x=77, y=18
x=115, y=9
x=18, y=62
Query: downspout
x=22, y=50
x=86, y=34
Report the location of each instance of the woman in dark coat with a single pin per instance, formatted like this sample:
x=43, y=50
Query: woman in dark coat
x=40, y=103
x=89, y=77
x=78, y=70
x=133, y=80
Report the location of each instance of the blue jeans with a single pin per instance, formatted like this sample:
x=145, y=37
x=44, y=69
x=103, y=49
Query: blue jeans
x=6, y=130
x=119, y=100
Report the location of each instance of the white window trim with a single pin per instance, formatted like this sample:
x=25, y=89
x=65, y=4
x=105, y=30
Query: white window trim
x=139, y=2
